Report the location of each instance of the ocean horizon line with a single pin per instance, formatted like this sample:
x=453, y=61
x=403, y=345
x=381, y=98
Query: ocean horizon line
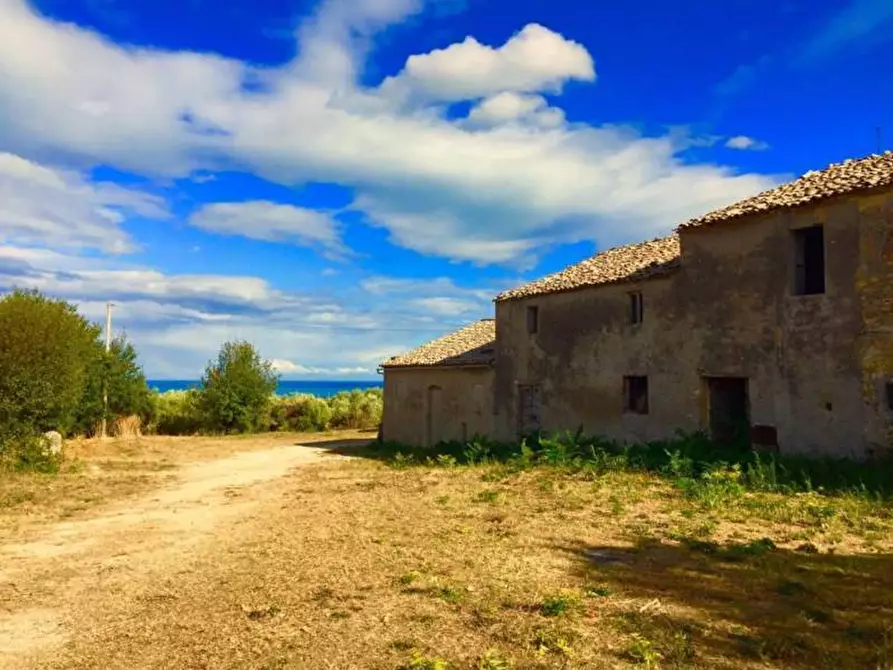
x=318, y=387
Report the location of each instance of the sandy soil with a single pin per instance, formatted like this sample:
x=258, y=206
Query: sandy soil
x=49, y=576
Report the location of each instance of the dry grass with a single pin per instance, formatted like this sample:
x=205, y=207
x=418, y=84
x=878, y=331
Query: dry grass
x=127, y=428
x=356, y=565
x=99, y=472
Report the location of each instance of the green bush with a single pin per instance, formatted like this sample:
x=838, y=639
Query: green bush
x=300, y=412
x=176, y=413
x=357, y=409
x=128, y=392
x=236, y=389
x=26, y=450
x=46, y=351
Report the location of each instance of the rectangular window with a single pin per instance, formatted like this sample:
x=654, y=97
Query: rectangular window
x=635, y=392
x=533, y=319
x=890, y=396
x=809, y=261
x=636, y=307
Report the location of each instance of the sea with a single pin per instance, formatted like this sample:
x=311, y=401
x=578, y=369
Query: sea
x=321, y=389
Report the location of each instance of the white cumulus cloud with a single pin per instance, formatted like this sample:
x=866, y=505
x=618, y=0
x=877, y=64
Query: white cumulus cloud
x=264, y=220
x=535, y=59
x=58, y=207
x=440, y=186
x=745, y=143
x=508, y=107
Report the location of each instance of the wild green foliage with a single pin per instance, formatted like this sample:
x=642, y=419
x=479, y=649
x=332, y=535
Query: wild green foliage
x=301, y=413
x=54, y=368
x=176, y=413
x=559, y=605
x=708, y=473
x=44, y=361
x=356, y=409
x=46, y=352
x=185, y=412
x=25, y=450
x=235, y=390
x=128, y=392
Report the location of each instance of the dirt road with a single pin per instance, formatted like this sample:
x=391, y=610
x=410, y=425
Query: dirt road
x=48, y=581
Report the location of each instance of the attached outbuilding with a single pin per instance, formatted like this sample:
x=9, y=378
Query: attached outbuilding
x=442, y=390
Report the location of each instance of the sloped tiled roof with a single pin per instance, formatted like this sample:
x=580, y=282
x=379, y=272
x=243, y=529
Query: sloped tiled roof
x=837, y=179
x=633, y=262
x=471, y=345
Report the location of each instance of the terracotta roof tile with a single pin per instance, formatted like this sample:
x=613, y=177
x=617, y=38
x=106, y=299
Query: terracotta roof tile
x=472, y=345
x=837, y=179
x=634, y=262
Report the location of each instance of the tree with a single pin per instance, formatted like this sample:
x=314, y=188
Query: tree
x=45, y=351
x=128, y=391
x=236, y=389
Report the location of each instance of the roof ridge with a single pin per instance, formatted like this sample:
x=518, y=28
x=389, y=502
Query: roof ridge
x=468, y=345
x=847, y=176
x=635, y=261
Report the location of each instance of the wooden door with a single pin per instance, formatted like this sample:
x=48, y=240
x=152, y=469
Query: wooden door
x=729, y=409
x=529, y=402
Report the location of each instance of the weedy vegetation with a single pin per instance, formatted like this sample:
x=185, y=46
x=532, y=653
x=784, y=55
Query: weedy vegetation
x=562, y=551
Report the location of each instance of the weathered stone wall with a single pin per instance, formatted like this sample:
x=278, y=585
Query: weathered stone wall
x=463, y=405
x=584, y=348
x=874, y=285
x=816, y=364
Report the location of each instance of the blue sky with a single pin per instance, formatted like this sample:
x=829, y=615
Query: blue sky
x=339, y=181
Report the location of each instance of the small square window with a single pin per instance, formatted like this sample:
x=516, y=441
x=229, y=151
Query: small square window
x=809, y=261
x=636, y=307
x=533, y=319
x=635, y=393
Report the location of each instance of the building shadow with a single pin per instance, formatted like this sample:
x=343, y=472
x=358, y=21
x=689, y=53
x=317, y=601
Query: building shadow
x=355, y=446
x=749, y=602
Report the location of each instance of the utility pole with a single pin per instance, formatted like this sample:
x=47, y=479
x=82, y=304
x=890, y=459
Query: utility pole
x=108, y=346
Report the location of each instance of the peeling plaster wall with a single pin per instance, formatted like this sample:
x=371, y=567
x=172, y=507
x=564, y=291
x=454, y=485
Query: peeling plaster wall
x=816, y=364
x=465, y=397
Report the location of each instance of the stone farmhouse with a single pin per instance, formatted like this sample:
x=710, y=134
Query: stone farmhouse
x=772, y=316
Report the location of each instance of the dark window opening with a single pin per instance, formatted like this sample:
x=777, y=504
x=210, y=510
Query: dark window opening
x=636, y=307
x=635, y=392
x=764, y=438
x=533, y=319
x=890, y=396
x=809, y=261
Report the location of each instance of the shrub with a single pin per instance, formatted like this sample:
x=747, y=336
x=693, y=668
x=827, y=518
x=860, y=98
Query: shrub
x=47, y=347
x=26, y=450
x=300, y=412
x=236, y=389
x=128, y=392
x=176, y=413
x=357, y=409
